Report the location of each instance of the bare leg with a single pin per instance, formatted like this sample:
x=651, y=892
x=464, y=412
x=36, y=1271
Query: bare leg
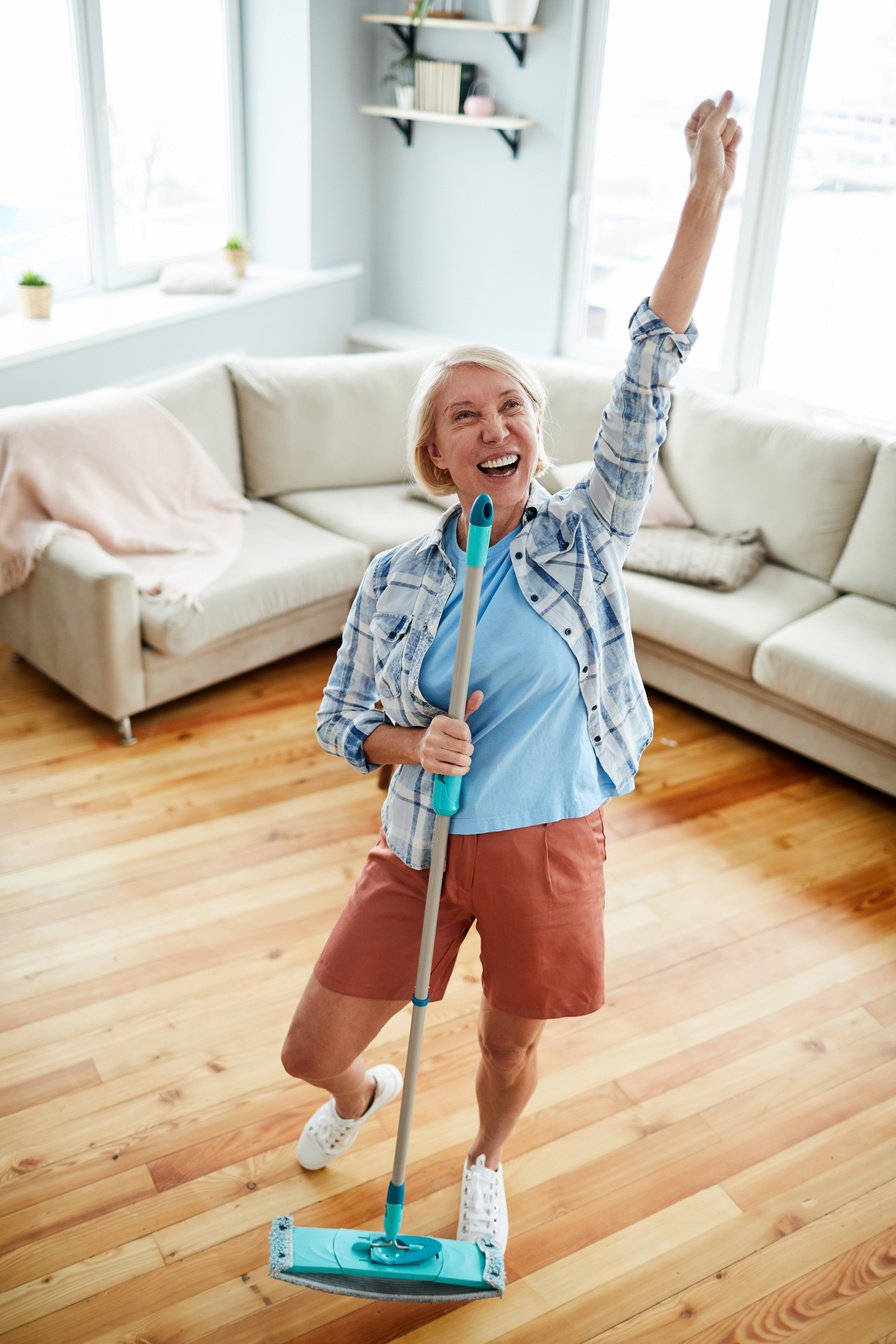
x=506, y=1078
x=325, y=1043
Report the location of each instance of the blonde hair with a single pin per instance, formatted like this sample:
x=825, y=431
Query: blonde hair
x=432, y=381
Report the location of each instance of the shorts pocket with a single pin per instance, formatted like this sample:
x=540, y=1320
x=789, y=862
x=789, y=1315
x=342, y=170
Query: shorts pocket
x=575, y=851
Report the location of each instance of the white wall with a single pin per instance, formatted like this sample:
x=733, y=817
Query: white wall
x=469, y=241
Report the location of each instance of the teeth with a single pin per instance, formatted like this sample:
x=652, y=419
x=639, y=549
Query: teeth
x=497, y=462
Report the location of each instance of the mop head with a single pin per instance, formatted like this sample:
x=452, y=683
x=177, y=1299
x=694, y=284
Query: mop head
x=364, y=1264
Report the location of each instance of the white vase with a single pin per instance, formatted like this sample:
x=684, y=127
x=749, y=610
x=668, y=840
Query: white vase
x=404, y=96
x=515, y=12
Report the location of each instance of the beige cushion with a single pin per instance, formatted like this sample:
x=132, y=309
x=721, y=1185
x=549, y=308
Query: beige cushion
x=378, y=516
x=203, y=400
x=325, y=420
x=577, y=394
x=724, y=562
x=800, y=483
x=868, y=564
x=285, y=563
x=841, y=662
x=723, y=629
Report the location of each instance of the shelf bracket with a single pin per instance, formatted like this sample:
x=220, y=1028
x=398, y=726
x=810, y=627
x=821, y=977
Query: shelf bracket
x=517, y=44
x=405, y=127
x=407, y=33
x=513, y=139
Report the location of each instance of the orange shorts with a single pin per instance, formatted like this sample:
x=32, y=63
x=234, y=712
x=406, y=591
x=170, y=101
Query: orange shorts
x=536, y=895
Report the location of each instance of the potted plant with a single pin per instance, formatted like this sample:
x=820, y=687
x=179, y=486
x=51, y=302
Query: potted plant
x=236, y=251
x=401, y=74
x=35, y=295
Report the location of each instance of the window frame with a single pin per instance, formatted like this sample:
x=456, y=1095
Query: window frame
x=107, y=273
x=786, y=50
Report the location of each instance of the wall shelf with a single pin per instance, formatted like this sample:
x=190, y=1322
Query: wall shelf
x=509, y=128
x=514, y=35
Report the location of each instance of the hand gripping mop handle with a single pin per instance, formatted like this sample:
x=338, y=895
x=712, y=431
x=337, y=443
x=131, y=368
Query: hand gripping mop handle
x=446, y=800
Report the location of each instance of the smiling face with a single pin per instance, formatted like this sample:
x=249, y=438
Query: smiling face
x=487, y=439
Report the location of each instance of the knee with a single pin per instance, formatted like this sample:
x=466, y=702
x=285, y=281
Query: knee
x=302, y=1061
x=507, y=1059
x=293, y=1059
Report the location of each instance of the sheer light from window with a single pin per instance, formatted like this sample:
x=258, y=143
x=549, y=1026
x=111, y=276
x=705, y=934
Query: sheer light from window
x=836, y=270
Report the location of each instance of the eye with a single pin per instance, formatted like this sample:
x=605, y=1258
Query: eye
x=463, y=415
x=512, y=404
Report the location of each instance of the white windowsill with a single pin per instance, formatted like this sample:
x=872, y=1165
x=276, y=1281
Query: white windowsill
x=101, y=317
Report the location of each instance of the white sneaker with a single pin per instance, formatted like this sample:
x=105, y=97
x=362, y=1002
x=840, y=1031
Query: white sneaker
x=327, y=1136
x=483, y=1204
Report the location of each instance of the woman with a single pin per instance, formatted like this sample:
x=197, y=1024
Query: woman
x=559, y=720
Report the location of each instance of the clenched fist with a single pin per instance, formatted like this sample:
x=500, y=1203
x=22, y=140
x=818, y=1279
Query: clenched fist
x=446, y=748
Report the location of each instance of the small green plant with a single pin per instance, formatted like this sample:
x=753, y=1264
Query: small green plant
x=32, y=278
x=401, y=71
x=235, y=243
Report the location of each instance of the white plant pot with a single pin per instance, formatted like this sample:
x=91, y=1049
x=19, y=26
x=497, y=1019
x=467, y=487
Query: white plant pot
x=404, y=96
x=515, y=12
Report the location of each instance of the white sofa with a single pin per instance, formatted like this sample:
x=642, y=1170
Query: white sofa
x=804, y=653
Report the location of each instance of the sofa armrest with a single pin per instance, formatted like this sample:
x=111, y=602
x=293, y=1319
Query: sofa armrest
x=77, y=619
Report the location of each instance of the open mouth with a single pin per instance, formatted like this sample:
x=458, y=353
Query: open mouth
x=500, y=466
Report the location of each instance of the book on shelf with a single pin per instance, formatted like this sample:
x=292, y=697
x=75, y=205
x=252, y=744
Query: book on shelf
x=441, y=86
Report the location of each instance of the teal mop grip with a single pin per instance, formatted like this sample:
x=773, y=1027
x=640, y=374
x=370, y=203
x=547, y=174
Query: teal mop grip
x=394, y=1208
x=480, y=533
x=446, y=795
x=446, y=788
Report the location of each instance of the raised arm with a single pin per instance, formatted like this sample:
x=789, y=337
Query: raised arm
x=712, y=136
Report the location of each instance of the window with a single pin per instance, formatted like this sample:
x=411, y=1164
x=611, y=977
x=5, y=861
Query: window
x=806, y=243
x=640, y=161
x=43, y=181
x=836, y=265
x=128, y=153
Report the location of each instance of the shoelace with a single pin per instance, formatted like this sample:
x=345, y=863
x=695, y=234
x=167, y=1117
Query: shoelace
x=479, y=1208
x=331, y=1129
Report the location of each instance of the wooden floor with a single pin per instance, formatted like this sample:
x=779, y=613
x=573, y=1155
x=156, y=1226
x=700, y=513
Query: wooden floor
x=711, y=1158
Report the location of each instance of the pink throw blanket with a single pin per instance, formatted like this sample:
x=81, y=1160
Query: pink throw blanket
x=116, y=467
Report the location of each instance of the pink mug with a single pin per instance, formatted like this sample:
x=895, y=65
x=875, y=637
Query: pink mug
x=480, y=104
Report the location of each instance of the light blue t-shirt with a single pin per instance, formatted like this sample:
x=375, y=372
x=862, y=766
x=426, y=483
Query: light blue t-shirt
x=533, y=761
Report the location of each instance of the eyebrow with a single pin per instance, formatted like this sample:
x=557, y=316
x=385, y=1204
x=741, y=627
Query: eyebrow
x=509, y=392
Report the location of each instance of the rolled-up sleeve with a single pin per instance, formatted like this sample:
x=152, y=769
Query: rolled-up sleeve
x=633, y=426
x=347, y=714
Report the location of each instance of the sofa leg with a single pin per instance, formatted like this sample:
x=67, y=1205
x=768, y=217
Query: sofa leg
x=125, y=736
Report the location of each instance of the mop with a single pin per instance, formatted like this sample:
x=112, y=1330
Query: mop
x=386, y=1265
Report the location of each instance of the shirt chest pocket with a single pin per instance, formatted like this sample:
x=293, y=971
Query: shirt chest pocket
x=389, y=631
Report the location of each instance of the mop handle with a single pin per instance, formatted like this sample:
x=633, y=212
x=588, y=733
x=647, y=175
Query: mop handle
x=446, y=800
x=446, y=789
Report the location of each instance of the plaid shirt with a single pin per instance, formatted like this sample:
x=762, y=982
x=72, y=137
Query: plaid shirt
x=568, y=561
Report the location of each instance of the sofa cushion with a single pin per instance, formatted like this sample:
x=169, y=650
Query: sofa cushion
x=378, y=516
x=285, y=563
x=577, y=394
x=203, y=400
x=868, y=564
x=840, y=662
x=321, y=421
x=723, y=629
x=800, y=483
x=724, y=562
